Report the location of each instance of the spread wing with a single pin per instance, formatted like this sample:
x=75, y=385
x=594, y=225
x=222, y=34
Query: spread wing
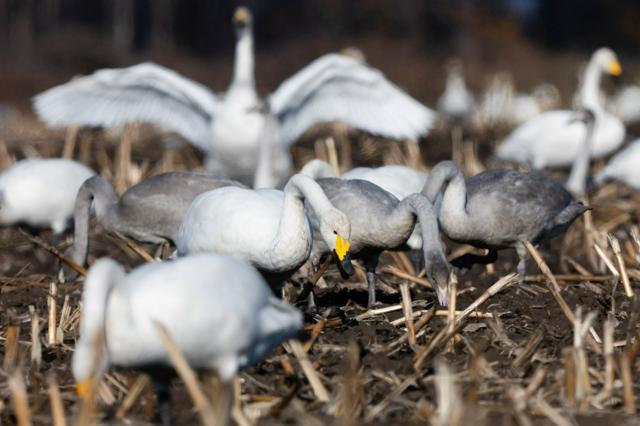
x=339, y=88
x=146, y=92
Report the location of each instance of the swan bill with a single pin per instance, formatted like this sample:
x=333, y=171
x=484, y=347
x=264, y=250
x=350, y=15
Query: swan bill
x=345, y=265
x=614, y=68
x=342, y=247
x=241, y=16
x=84, y=389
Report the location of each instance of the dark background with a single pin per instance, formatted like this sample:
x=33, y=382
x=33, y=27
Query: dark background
x=45, y=42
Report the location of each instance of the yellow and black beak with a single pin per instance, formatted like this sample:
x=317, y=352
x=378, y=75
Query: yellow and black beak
x=614, y=68
x=342, y=254
x=241, y=17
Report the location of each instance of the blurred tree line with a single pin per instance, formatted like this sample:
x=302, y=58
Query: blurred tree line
x=203, y=27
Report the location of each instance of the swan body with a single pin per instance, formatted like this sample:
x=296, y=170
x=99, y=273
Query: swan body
x=623, y=167
x=267, y=227
x=399, y=180
x=553, y=139
x=626, y=104
x=501, y=208
x=456, y=103
x=217, y=309
x=379, y=221
x=238, y=131
x=41, y=192
x=150, y=211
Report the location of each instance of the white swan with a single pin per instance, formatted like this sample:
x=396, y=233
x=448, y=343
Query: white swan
x=218, y=310
x=553, y=139
x=626, y=104
x=456, y=102
x=399, y=180
x=230, y=128
x=267, y=227
x=41, y=192
x=623, y=167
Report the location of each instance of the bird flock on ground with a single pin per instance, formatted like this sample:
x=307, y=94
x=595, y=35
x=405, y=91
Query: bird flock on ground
x=236, y=244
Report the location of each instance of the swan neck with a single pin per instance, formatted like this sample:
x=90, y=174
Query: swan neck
x=306, y=188
x=243, y=70
x=265, y=176
x=453, y=212
x=292, y=236
x=98, y=191
x=424, y=212
x=590, y=91
x=577, y=182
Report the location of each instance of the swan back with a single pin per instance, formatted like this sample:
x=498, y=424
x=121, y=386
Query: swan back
x=623, y=166
x=41, y=192
x=399, y=180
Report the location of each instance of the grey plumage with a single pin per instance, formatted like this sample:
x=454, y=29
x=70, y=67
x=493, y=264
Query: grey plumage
x=379, y=221
x=501, y=208
x=150, y=211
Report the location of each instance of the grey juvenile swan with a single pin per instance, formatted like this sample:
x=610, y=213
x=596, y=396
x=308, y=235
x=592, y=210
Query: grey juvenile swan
x=501, y=208
x=379, y=221
x=150, y=211
x=230, y=128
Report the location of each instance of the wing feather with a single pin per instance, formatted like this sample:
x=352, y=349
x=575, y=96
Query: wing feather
x=146, y=92
x=338, y=88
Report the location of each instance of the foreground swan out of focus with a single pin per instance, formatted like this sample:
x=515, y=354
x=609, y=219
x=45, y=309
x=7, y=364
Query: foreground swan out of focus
x=501, y=208
x=554, y=139
x=217, y=309
x=232, y=128
x=150, y=211
x=41, y=192
x=267, y=227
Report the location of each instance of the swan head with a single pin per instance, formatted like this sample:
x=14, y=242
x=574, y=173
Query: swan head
x=242, y=18
x=439, y=273
x=335, y=230
x=607, y=61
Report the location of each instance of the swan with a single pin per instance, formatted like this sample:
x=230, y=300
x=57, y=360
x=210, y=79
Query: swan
x=41, y=192
x=577, y=181
x=218, y=310
x=267, y=227
x=231, y=128
x=401, y=181
x=379, y=221
x=553, y=140
x=623, y=167
x=501, y=208
x=456, y=102
x=626, y=104
x=150, y=211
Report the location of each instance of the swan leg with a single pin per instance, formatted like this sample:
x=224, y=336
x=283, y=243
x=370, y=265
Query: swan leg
x=161, y=385
x=370, y=266
x=523, y=254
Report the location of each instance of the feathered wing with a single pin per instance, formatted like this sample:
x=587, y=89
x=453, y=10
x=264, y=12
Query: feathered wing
x=339, y=88
x=146, y=92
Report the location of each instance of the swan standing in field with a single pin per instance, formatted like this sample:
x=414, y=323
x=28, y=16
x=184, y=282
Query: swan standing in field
x=231, y=128
x=150, y=211
x=623, y=167
x=379, y=221
x=456, y=103
x=553, y=139
x=501, y=208
x=41, y=192
x=267, y=227
x=401, y=181
x=217, y=309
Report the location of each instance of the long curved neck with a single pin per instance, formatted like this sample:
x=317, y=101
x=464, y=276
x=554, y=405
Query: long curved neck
x=317, y=169
x=293, y=219
x=590, y=90
x=243, y=70
x=94, y=189
x=577, y=182
x=447, y=177
x=424, y=212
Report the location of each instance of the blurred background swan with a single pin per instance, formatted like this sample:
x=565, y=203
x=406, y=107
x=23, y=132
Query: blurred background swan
x=238, y=131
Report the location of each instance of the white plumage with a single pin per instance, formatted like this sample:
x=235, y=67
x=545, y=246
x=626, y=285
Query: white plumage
x=626, y=104
x=456, y=103
x=624, y=166
x=553, y=139
x=267, y=227
x=217, y=309
x=41, y=192
x=232, y=128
